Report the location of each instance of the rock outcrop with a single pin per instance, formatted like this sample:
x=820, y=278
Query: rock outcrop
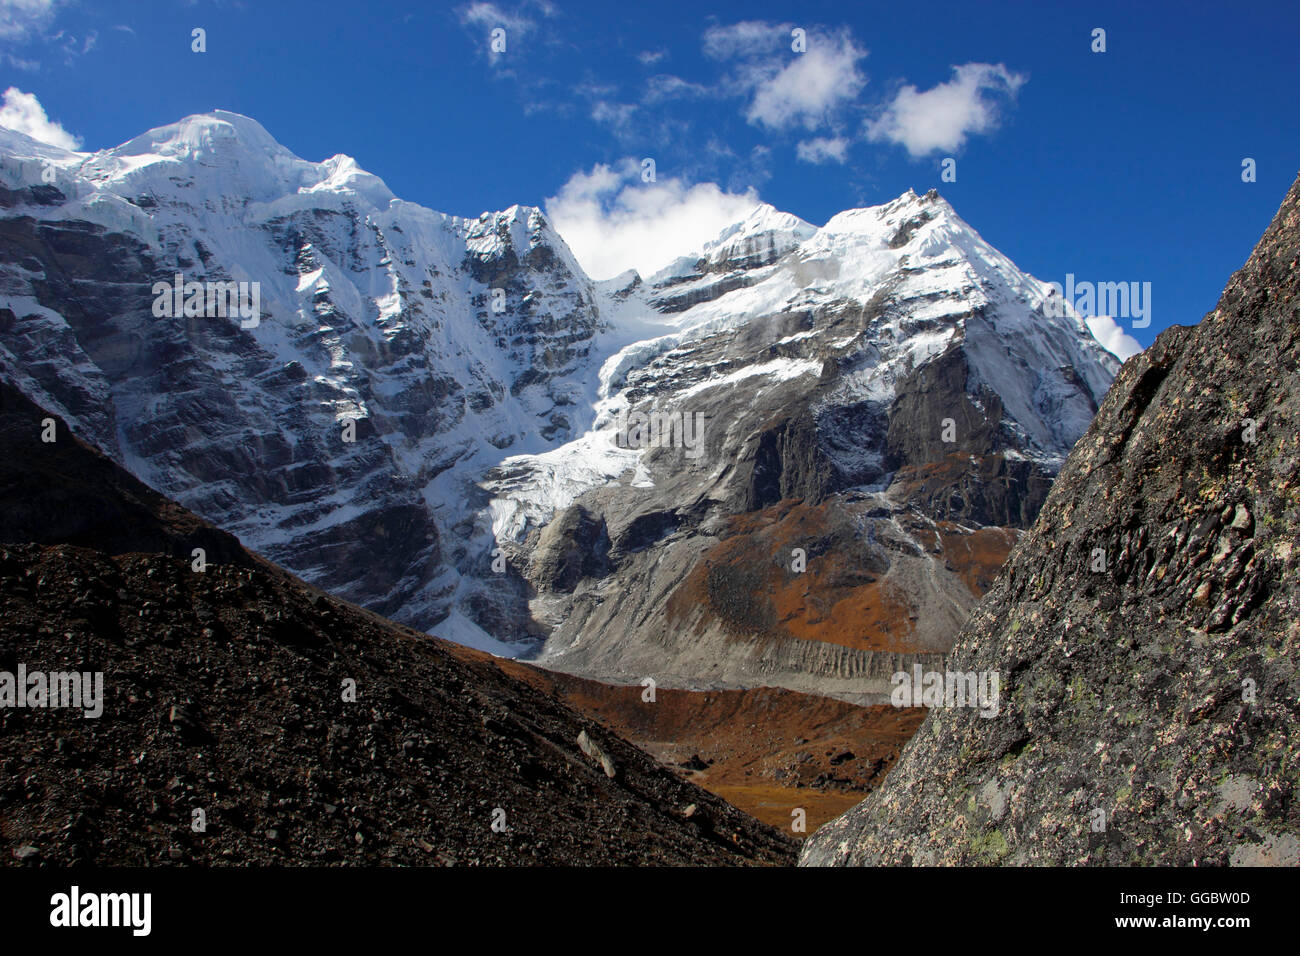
x=1146, y=631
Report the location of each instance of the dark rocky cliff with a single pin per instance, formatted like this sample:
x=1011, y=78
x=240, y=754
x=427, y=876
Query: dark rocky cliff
x=1148, y=710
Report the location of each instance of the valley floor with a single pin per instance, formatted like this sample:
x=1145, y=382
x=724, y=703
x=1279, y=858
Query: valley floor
x=767, y=751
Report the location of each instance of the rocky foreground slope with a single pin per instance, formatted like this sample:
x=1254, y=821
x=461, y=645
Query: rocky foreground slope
x=224, y=692
x=1147, y=629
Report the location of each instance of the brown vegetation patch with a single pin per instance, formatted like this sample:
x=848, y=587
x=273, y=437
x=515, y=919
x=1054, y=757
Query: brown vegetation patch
x=747, y=583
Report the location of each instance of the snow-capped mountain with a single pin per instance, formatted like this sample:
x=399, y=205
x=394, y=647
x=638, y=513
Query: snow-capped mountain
x=884, y=404
x=446, y=342
x=430, y=415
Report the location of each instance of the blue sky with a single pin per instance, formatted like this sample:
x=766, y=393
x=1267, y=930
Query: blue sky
x=1116, y=166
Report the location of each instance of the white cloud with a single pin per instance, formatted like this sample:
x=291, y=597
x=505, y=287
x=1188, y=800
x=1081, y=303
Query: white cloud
x=811, y=85
x=20, y=19
x=1113, y=338
x=489, y=16
x=23, y=113
x=823, y=149
x=941, y=118
x=614, y=222
x=808, y=86
x=745, y=39
x=482, y=17
x=18, y=63
x=665, y=86
x=651, y=57
x=617, y=116
x=787, y=88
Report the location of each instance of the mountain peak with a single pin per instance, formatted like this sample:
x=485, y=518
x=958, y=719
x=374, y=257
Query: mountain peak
x=519, y=226
x=204, y=135
x=239, y=157
x=762, y=219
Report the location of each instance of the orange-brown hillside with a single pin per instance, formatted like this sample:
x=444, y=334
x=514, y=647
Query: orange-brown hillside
x=747, y=580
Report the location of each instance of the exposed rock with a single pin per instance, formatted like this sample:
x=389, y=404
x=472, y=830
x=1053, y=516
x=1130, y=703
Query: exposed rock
x=571, y=547
x=1144, y=630
x=593, y=750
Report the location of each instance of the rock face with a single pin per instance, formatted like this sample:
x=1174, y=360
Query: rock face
x=1145, y=630
x=441, y=342
x=304, y=730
